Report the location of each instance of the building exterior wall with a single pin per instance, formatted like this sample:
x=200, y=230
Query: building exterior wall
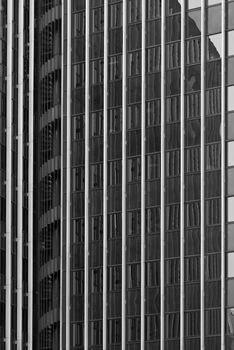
x=152, y=173
x=49, y=169
x=117, y=182
x=16, y=242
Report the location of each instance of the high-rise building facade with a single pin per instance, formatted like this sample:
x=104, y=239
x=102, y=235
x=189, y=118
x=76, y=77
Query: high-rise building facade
x=16, y=173
x=117, y=190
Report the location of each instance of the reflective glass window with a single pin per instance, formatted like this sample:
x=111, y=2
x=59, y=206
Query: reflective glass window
x=230, y=71
x=213, y=2
x=230, y=265
x=173, y=25
x=214, y=19
x=230, y=201
x=230, y=314
x=214, y=46
x=230, y=237
x=231, y=43
x=230, y=294
x=193, y=23
x=230, y=13
x=193, y=4
x=230, y=93
x=230, y=181
x=231, y=153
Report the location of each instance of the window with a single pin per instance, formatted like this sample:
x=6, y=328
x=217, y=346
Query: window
x=97, y=228
x=230, y=153
x=172, y=270
x=78, y=282
x=192, y=269
x=114, y=225
x=173, y=28
x=134, y=329
x=230, y=265
x=214, y=19
x=231, y=43
x=152, y=327
x=193, y=22
x=134, y=275
x=172, y=328
x=152, y=274
x=114, y=331
x=230, y=74
x=230, y=315
x=212, y=267
x=230, y=181
x=194, y=3
x=114, y=278
x=173, y=109
x=230, y=237
x=153, y=59
x=212, y=321
x=214, y=46
x=192, y=323
x=230, y=295
x=96, y=280
x=96, y=333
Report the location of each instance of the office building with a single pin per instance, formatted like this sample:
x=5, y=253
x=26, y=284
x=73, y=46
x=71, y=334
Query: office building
x=117, y=175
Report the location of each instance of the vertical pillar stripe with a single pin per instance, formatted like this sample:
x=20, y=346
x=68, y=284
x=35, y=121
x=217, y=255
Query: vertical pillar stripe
x=20, y=174
x=182, y=131
x=143, y=62
x=9, y=174
x=223, y=156
x=202, y=291
x=105, y=194
x=86, y=243
x=62, y=180
x=68, y=176
x=162, y=189
x=30, y=175
x=124, y=182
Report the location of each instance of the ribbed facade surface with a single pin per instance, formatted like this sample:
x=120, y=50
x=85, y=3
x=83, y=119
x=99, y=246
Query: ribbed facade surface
x=16, y=159
x=117, y=174
x=147, y=179
x=49, y=172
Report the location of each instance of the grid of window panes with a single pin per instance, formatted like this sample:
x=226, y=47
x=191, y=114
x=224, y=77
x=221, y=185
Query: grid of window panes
x=96, y=174
x=172, y=176
x=192, y=174
x=229, y=174
x=3, y=65
x=77, y=174
x=114, y=166
x=48, y=191
x=212, y=269
x=133, y=168
x=152, y=211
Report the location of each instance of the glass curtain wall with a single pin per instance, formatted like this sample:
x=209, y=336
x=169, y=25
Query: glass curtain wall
x=114, y=169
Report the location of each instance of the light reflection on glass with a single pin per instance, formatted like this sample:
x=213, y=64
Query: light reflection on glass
x=192, y=4
x=214, y=46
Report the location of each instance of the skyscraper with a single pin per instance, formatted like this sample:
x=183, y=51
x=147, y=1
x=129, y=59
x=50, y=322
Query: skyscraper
x=121, y=237
x=16, y=156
